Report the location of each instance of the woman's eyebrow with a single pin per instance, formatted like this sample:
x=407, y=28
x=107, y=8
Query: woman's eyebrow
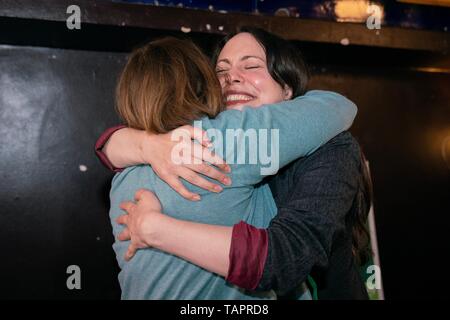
x=242, y=59
x=256, y=57
x=223, y=60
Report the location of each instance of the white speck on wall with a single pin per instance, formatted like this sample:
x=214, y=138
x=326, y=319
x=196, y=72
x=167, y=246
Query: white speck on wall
x=98, y=238
x=211, y=7
x=53, y=56
x=345, y=41
x=208, y=26
x=220, y=28
x=123, y=23
x=223, y=11
x=185, y=29
x=83, y=168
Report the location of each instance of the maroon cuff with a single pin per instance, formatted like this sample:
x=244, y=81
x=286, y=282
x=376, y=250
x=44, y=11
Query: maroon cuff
x=248, y=254
x=101, y=143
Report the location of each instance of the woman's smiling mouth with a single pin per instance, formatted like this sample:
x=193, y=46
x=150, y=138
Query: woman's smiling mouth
x=234, y=98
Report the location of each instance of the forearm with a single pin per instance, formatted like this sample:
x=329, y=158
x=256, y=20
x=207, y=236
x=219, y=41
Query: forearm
x=295, y=129
x=206, y=246
x=124, y=148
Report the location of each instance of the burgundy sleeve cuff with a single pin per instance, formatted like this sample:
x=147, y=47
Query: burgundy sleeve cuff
x=248, y=254
x=101, y=143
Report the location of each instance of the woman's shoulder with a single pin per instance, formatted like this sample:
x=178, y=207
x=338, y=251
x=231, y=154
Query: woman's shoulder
x=135, y=176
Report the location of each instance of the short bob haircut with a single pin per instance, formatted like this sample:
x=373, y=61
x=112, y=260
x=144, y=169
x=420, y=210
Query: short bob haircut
x=284, y=60
x=166, y=84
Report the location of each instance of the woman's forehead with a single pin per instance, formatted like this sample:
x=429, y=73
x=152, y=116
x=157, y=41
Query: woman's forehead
x=241, y=46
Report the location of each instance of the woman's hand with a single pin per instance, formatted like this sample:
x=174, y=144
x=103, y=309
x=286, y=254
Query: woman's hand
x=140, y=221
x=158, y=151
x=207, y=246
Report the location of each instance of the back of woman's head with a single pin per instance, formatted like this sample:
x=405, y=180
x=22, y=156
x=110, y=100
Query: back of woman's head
x=166, y=84
x=284, y=60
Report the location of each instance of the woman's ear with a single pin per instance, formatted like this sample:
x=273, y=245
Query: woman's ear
x=287, y=92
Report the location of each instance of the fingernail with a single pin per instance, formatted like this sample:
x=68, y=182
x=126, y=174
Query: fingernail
x=227, y=181
x=218, y=188
x=196, y=197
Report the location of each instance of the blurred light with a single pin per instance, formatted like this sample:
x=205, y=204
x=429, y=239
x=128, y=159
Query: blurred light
x=357, y=10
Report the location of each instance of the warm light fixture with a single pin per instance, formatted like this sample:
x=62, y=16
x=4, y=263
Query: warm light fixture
x=357, y=10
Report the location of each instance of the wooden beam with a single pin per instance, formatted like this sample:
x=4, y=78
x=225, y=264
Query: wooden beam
x=179, y=19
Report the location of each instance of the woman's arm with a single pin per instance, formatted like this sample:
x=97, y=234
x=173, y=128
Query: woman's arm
x=204, y=245
x=124, y=148
x=119, y=147
x=284, y=131
x=304, y=124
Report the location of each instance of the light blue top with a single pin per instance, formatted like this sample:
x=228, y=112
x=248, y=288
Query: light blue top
x=304, y=124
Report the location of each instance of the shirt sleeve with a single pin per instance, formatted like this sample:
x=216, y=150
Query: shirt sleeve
x=287, y=131
x=104, y=137
x=300, y=236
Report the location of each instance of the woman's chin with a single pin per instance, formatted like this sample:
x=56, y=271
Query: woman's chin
x=240, y=106
x=235, y=107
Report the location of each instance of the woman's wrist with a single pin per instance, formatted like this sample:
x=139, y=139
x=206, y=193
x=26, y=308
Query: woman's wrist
x=146, y=145
x=156, y=228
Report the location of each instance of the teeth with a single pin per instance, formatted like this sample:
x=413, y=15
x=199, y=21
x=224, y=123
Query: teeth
x=235, y=97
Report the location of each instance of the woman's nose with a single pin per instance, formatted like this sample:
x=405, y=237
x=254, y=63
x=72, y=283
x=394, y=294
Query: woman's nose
x=234, y=76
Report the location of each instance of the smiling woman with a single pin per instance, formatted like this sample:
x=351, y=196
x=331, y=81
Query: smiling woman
x=249, y=75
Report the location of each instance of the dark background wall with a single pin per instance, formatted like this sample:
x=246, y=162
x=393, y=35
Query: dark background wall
x=56, y=97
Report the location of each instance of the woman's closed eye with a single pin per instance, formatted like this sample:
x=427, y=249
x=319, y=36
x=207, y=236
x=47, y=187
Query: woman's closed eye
x=252, y=67
x=221, y=71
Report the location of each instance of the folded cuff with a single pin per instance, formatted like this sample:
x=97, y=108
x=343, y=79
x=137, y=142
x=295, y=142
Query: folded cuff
x=248, y=254
x=101, y=143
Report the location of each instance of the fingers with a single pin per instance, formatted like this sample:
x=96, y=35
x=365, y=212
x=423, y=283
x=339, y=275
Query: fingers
x=199, y=135
x=124, y=235
x=127, y=206
x=211, y=172
x=150, y=199
x=204, y=154
x=123, y=219
x=176, y=184
x=130, y=252
x=140, y=193
x=196, y=179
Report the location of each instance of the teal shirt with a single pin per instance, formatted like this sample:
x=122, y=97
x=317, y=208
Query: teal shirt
x=304, y=124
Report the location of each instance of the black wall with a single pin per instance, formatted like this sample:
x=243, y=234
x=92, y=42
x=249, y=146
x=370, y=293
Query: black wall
x=56, y=97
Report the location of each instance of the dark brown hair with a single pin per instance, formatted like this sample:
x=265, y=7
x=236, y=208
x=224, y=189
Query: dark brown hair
x=166, y=84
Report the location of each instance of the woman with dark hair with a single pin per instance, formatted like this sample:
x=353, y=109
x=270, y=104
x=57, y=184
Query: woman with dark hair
x=249, y=77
